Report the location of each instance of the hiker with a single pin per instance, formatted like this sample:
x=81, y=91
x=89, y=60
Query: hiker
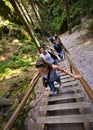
x=47, y=55
x=49, y=74
x=58, y=46
x=53, y=38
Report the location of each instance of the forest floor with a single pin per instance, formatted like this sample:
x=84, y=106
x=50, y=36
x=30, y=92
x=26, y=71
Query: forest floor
x=17, y=68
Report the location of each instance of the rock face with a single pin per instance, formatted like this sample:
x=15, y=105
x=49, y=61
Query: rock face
x=30, y=121
x=80, y=46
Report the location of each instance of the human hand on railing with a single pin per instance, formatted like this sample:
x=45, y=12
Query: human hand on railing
x=59, y=58
x=52, y=48
x=78, y=76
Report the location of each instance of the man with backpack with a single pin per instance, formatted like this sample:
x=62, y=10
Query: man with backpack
x=58, y=46
x=47, y=55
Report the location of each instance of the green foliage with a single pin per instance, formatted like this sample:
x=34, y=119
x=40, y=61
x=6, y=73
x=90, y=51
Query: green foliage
x=4, y=29
x=15, y=62
x=13, y=107
x=7, y=11
x=42, y=42
x=30, y=49
x=22, y=51
x=4, y=9
x=26, y=49
x=53, y=15
x=84, y=7
x=16, y=53
x=75, y=22
x=55, y=19
x=22, y=82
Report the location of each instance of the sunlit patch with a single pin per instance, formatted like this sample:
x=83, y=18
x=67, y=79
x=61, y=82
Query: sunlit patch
x=2, y=58
x=88, y=42
x=27, y=58
x=9, y=73
x=80, y=46
x=16, y=42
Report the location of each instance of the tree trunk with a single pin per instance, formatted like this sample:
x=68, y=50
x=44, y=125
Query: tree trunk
x=68, y=17
x=24, y=21
x=35, y=8
x=27, y=11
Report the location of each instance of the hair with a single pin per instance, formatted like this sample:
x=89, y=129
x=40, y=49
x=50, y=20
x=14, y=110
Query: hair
x=56, y=37
x=43, y=46
x=43, y=63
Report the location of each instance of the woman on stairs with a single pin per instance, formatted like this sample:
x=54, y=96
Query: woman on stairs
x=49, y=74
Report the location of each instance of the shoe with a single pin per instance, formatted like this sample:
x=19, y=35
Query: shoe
x=62, y=58
x=51, y=92
x=55, y=93
x=61, y=87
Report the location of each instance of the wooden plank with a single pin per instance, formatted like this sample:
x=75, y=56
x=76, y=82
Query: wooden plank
x=74, y=105
x=66, y=67
x=74, y=83
x=61, y=74
x=69, y=89
x=65, y=76
x=63, y=63
x=65, y=119
x=66, y=90
x=64, y=97
x=67, y=80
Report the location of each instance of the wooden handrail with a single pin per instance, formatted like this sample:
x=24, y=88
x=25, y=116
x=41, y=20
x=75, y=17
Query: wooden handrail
x=20, y=107
x=82, y=80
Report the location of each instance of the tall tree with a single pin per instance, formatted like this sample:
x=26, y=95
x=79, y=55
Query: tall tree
x=24, y=20
x=36, y=8
x=68, y=17
x=28, y=10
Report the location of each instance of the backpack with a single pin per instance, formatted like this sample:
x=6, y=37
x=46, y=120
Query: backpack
x=45, y=81
x=58, y=47
x=52, y=55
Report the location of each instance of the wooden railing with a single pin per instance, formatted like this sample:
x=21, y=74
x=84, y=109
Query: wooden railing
x=87, y=88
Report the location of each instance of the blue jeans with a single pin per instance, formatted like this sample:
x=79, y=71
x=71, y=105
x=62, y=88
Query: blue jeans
x=61, y=54
x=51, y=84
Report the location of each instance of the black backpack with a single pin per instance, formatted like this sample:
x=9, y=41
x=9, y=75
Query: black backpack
x=52, y=55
